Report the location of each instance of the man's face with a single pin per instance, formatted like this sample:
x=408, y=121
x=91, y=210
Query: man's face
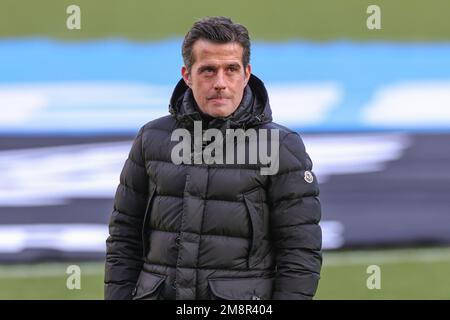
x=217, y=77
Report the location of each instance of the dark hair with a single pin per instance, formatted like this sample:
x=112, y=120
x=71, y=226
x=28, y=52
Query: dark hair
x=219, y=30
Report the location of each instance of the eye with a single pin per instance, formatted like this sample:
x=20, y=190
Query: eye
x=208, y=70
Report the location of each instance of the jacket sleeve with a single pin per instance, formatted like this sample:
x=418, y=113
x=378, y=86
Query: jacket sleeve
x=295, y=213
x=124, y=257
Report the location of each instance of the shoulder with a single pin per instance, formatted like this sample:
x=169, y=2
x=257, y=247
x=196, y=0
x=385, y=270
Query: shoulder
x=165, y=124
x=292, y=152
x=157, y=128
x=287, y=136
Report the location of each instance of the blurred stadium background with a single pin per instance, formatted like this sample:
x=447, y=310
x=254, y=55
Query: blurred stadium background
x=373, y=107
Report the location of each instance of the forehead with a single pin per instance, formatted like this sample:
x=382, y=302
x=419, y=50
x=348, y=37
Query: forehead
x=206, y=52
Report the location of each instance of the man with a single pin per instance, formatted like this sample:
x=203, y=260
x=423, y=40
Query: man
x=217, y=230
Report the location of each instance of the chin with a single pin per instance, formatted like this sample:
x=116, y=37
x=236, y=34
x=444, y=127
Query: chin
x=221, y=111
x=221, y=114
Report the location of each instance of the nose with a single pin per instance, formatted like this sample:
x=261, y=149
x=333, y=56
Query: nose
x=220, y=81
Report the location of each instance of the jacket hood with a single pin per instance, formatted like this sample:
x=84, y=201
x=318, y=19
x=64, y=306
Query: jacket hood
x=253, y=110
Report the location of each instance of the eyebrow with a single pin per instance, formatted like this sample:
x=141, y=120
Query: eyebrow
x=206, y=67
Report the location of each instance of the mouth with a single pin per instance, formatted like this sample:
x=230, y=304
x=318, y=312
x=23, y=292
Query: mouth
x=218, y=99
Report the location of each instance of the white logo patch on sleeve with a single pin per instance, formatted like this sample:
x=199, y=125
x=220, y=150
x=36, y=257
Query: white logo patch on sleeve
x=308, y=177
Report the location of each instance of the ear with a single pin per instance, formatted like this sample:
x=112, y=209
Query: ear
x=186, y=76
x=248, y=72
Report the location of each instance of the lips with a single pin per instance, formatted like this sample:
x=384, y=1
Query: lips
x=218, y=98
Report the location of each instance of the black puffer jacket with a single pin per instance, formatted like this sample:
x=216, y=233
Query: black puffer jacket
x=214, y=231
